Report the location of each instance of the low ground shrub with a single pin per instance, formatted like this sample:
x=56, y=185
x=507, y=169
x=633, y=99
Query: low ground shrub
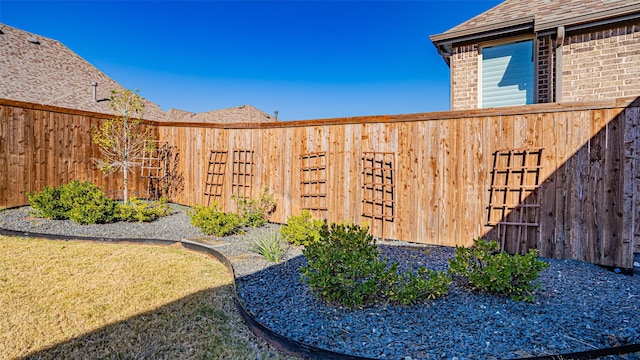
x=82, y=202
x=212, y=221
x=302, y=229
x=256, y=212
x=46, y=204
x=491, y=271
x=142, y=210
x=344, y=268
x=270, y=245
x=88, y=203
x=410, y=288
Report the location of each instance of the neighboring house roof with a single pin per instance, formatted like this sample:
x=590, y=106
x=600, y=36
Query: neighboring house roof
x=243, y=113
x=537, y=16
x=40, y=70
x=177, y=115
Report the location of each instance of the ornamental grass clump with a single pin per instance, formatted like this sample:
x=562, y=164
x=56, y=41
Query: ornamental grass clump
x=270, y=245
x=488, y=270
x=344, y=268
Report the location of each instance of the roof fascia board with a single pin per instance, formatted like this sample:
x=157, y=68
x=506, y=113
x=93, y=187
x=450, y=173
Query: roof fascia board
x=484, y=31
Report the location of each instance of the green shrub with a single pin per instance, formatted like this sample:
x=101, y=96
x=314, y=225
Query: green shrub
x=46, y=204
x=87, y=203
x=211, y=221
x=142, y=210
x=302, y=229
x=344, y=268
x=82, y=202
x=491, y=271
x=271, y=246
x=411, y=288
x=256, y=212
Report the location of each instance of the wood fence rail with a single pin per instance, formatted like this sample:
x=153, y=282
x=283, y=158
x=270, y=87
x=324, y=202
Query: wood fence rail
x=440, y=178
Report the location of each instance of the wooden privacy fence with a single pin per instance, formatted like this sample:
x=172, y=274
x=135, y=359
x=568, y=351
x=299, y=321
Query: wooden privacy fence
x=45, y=145
x=562, y=178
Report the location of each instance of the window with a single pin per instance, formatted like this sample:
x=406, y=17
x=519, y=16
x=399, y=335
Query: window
x=507, y=75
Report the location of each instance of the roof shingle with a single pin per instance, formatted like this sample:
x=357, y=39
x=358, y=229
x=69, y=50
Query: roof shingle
x=40, y=70
x=545, y=14
x=243, y=113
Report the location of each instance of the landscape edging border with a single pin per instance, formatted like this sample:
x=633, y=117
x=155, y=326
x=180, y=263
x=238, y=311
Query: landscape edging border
x=277, y=340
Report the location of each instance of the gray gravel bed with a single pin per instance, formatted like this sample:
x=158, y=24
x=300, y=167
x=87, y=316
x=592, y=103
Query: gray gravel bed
x=174, y=227
x=582, y=307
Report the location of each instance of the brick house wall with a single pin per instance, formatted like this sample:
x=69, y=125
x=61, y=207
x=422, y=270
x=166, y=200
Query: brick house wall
x=464, y=77
x=601, y=64
x=545, y=69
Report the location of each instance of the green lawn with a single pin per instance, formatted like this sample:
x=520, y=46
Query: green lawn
x=70, y=299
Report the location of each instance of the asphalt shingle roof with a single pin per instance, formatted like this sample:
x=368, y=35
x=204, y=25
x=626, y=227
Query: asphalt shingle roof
x=40, y=70
x=243, y=113
x=545, y=14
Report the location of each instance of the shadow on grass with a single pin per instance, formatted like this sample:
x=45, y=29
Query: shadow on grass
x=202, y=325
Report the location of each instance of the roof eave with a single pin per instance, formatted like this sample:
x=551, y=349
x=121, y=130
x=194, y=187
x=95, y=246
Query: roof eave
x=450, y=36
x=444, y=42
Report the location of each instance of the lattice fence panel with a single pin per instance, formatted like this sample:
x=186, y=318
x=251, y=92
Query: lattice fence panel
x=514, y=199
x=242, y=173
x=379, y=188
x=214, y=183
x=313, y=181
x=154, y=167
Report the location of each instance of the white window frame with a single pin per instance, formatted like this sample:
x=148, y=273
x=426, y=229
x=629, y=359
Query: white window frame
x=508, y=41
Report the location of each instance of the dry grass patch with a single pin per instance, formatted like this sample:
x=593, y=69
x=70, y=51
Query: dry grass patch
x=97, y=300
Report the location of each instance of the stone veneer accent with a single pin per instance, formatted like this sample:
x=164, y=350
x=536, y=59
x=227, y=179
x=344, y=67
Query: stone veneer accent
x=602, y=64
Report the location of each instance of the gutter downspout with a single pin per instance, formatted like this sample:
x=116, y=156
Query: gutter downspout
x=558, y=75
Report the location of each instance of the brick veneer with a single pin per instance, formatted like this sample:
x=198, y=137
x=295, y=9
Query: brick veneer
x=464, y=77
x=598, y=65
x=544, y=70
x=601, y=64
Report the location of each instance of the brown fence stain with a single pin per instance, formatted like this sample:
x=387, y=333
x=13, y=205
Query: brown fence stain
x=589, y=190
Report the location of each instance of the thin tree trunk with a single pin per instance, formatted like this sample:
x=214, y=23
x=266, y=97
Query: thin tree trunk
x=126, y=190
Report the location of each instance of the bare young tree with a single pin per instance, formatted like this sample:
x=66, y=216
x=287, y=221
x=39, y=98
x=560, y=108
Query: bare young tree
x=122, y=140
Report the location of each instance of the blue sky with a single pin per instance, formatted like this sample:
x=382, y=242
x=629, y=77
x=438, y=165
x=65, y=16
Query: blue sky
x=306, y=59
